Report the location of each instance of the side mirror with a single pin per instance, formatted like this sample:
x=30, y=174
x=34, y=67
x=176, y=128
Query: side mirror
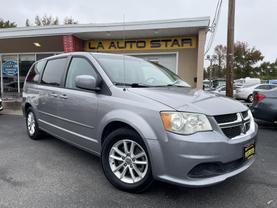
x=87, y=82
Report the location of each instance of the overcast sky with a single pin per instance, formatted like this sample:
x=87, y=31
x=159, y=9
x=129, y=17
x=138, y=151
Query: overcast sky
x=256, y=20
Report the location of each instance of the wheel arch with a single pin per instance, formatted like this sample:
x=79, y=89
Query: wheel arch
x=123, y=118
x=26, y=107
x=112, y=126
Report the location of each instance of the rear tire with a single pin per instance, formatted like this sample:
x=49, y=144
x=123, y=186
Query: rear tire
x=126, y=162
x=32, y=125
x=250, y=98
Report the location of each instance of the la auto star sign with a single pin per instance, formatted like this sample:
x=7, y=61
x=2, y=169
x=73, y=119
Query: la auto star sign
x=141, y=44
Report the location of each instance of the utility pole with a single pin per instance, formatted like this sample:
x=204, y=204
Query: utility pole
x=230, y=48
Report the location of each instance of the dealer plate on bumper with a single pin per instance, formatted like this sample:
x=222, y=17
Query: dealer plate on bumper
x=249, y=151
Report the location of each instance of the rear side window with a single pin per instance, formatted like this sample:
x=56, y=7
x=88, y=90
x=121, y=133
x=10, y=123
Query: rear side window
x=78, y=66
x=263, y=87
x=54, y=72
x=35, y=72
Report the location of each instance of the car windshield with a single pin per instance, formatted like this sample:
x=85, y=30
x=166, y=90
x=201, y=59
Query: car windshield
x=135, y=72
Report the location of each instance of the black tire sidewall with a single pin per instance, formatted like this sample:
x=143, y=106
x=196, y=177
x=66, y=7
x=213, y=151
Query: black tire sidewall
x=249, y=98
x=109, y=141
x=36, y=135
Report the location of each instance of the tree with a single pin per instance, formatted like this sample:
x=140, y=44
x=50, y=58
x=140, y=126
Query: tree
x=27, y=23
x=6, y=24
x=220, y=64
x=267, y=70
x=43, y=21
x=70, y=21
x=38, y=21
x=245, y=60
x=49, y=20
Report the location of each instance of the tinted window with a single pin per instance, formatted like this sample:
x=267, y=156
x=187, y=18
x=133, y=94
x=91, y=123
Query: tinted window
x=78, y=66
x=35, y=72
x=54, y=71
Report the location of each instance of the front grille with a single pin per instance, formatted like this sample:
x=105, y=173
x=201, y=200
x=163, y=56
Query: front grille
x=233, y=125
x=226, y=118
x=232, y=131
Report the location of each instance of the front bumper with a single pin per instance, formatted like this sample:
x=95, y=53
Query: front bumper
x=179, y=155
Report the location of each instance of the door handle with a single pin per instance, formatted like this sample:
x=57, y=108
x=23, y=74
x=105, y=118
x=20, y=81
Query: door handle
x=63, y=96
x=54, y=95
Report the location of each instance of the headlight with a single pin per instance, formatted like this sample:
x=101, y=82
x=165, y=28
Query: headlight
x=185, y=123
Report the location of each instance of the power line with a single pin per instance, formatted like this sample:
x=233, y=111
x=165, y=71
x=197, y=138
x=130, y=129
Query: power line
x=213, y=26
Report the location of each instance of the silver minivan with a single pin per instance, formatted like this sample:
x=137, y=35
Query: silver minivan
x=141, y=119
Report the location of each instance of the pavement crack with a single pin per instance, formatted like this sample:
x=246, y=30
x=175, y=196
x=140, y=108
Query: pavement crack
x=8, y=179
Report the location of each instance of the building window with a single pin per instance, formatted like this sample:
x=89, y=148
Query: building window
x=9, y=76
x=167, y=60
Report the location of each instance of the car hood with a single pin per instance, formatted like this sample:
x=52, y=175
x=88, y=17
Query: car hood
x=191, y=100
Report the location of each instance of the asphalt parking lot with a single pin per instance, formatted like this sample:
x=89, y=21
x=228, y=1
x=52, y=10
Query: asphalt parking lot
x=51, y=173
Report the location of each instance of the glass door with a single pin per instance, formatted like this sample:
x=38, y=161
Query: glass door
x=10, y=77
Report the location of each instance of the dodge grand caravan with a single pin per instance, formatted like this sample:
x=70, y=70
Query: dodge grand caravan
x=144, y=121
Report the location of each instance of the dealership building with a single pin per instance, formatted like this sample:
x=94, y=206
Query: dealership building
x=176, y=44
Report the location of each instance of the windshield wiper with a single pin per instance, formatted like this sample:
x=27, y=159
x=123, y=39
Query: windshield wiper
x=140, y=85
x=175, y=85
x=131, y=84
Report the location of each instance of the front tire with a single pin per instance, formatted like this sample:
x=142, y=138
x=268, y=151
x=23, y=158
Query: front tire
x=32, y=125
x=126, y=162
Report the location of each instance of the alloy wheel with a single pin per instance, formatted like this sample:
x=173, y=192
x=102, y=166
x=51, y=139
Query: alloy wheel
x=128, y=161
x=31, y=124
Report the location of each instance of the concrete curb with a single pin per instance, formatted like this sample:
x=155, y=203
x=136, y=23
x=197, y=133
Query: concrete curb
x=15, y=105
x=11, y=112
x=11, y=108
